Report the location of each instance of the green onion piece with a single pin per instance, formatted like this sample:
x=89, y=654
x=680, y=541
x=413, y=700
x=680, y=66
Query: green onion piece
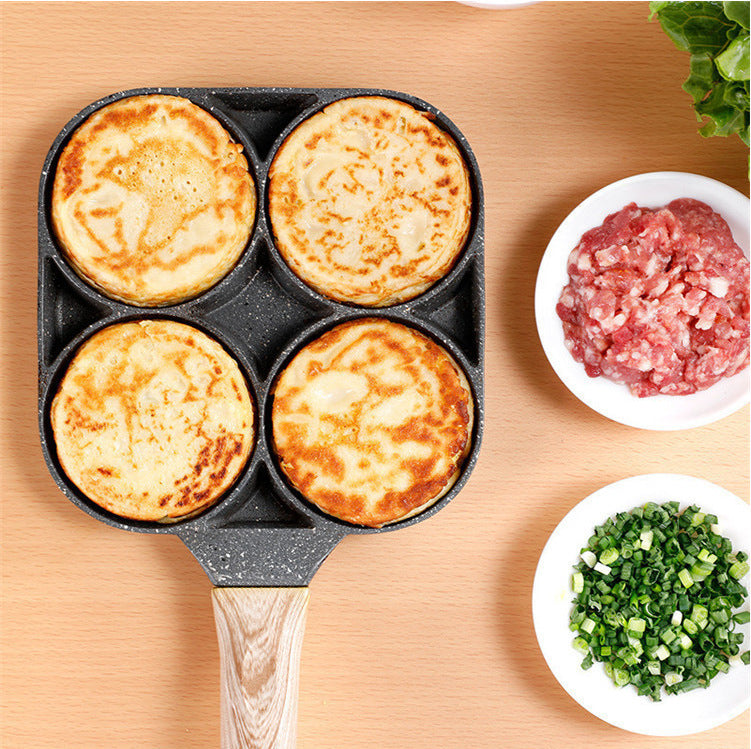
x=588, y=558
x=699, y=613
x=688, y=685
x=588, y=626
x=690, y=626
x=620, y=677
x=720, y=617
x=738, y=569
x=577, y=582
x=667, y=636
x=635, y=644
x=645, y=539
x=636, y=626
x=700, y=570
x=581, y=645
x=685, y=577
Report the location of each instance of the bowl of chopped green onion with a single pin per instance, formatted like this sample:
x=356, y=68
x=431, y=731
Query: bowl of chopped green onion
x=641, y=608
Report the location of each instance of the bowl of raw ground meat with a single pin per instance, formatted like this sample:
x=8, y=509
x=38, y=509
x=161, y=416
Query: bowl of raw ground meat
x=642, y=301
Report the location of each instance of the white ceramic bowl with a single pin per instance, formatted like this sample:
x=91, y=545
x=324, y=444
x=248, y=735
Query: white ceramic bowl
x=497, y=4
x=658, y=412
x=675, y=715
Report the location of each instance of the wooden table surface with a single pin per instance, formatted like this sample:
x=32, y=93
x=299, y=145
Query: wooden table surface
x=416, y=639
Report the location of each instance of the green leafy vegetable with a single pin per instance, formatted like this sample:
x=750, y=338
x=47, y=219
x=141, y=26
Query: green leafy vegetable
x=732, y=62
x=737, y=12
x=717, y=37
x=657, y=592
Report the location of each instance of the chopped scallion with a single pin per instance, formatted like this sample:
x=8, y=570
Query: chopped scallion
x=656, y=598
x=685, y=577
x=645, y=539
x=577, y=582
x=738, y=570
x=589, y=558
x=588, y=626
x=609, y=556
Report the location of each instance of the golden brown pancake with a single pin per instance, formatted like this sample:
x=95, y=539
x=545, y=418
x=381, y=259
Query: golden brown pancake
x=152, y=201
x=372, y=421
x=369, y=201
x=152, y=420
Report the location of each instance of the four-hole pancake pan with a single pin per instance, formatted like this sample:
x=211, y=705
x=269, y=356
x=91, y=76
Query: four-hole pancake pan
x=261, y=536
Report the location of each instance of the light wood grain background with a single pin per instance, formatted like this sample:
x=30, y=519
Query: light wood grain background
x=416, y=639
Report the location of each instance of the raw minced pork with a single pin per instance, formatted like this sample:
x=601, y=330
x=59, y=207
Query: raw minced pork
x=658, y=299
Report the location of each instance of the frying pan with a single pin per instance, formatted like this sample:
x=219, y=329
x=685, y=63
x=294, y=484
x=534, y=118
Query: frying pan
x=262, y=542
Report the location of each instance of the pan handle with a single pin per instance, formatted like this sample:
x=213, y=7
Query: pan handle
x=260, y=632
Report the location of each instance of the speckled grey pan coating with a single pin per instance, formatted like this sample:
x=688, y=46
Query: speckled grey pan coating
x=262, y=533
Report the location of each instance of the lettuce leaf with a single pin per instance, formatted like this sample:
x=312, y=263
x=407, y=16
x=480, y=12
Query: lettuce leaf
x=716, y=34
x=732, y=62
x=738, y=12
x=694, y=27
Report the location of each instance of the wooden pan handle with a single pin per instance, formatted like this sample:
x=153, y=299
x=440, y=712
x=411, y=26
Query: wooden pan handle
x=260, y=633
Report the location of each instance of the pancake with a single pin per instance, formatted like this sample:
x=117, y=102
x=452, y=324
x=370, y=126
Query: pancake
x=372, y=422
x=152, y=420
x=152, y=202
x=369, y=201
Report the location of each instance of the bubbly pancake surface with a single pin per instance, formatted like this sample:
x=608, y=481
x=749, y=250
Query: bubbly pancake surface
x=152, y=201
x=152, y=420
x=369, y=201
x=372, y=421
